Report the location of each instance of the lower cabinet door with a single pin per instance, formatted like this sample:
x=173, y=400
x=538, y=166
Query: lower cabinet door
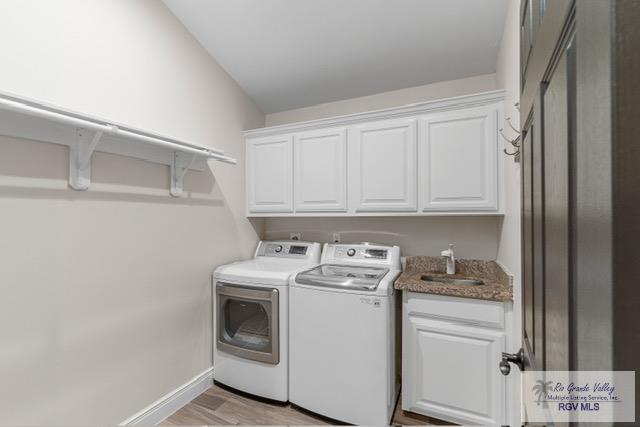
x=450, y=371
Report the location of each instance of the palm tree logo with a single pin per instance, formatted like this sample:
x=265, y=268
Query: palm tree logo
x=541, y=389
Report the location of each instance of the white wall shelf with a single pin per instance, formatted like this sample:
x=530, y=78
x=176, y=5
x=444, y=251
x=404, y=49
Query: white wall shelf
x=84, y=134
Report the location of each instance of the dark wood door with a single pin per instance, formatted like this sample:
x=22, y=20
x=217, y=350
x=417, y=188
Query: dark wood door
x=580, y=185
x=557, y=256
x=533, y=297
x=548, y=113
x=546, y=210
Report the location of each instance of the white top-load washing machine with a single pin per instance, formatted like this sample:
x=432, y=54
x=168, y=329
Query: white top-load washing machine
x=342, y=334
x=251, y=312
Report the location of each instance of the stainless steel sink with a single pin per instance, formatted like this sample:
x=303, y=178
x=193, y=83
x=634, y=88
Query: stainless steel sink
x=452, y=280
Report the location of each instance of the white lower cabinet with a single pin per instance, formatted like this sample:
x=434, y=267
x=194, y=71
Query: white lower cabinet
x=450, y=353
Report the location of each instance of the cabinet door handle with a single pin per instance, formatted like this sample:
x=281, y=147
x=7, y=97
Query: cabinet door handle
x=507, y=358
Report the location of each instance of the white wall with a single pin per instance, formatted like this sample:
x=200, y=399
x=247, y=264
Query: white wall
x=105, y=301
x=508, y=77
x=474, y=237
x=445, y=89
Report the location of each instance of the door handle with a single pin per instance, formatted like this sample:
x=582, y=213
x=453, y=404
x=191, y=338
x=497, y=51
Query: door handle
x=507, y=358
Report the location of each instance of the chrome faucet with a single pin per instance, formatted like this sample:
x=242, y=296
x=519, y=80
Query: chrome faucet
x=451, y=260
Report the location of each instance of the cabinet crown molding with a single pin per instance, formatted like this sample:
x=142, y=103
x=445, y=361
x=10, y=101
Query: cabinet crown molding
x=445, y=104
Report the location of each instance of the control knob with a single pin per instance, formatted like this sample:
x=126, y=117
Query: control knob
x=278, y=249
x=351, y=252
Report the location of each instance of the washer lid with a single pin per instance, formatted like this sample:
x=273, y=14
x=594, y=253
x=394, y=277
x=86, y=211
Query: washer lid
x=343, y=277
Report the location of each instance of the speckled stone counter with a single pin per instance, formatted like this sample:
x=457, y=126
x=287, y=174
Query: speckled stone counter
x=498, y=285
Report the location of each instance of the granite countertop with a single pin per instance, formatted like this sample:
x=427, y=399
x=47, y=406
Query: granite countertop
x=498, y=285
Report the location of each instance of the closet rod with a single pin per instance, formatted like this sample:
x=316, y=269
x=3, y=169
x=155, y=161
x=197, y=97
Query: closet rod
x=44, y=113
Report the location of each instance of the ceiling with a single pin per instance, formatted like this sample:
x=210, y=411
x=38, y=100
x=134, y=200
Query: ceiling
x=295, y=53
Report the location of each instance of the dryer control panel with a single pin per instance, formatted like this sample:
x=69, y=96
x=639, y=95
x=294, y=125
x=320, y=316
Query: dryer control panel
x=288, y=249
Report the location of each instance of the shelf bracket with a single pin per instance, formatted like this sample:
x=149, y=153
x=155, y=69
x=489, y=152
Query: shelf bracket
x=179, y=167
x=80, y=153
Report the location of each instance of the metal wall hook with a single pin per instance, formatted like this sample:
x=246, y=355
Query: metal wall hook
x=515, y=152
x=508, y=120
x=515, y=143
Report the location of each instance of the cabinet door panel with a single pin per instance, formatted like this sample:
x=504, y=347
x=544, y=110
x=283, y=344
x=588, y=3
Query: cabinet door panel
x=269, y=174
x=384, y=166
x=451, y=371
x=459, y=160
x=320, y=171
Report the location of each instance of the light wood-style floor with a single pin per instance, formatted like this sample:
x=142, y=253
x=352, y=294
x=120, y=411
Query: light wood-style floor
x=224, y=406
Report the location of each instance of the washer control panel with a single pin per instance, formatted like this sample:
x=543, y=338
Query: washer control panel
x=361, y=254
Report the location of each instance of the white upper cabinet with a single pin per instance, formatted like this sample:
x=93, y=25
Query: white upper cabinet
x=320, y=170
x=383, y=165
x=270, y=174
x=434, y=158
x=459, y=160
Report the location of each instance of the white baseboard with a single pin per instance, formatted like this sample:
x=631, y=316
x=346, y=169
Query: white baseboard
x=168, y=404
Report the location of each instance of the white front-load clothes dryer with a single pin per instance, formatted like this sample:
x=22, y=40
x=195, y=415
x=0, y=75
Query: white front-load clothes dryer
x=342, y=334
x=251, y=313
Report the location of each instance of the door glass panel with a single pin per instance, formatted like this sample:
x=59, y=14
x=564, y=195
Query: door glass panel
x=247, y=324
